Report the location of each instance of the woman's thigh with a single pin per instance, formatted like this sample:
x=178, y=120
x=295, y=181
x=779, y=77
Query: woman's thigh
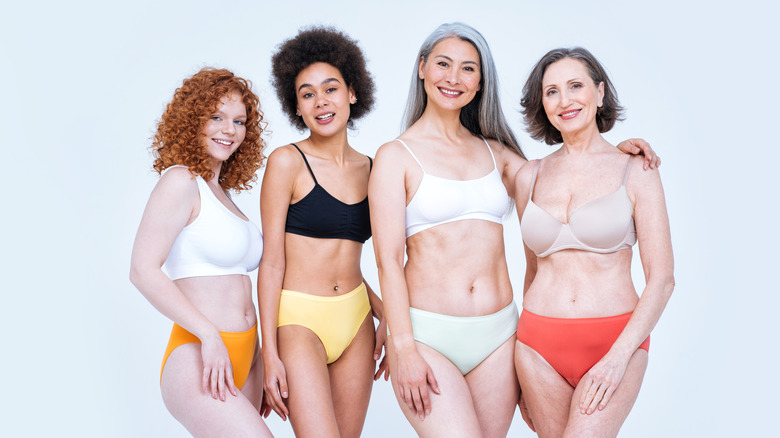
x=607, y=422
x=547, y=394
x=351, y=381
x=309, y=401
x=495, y=391
x=452, y=411
x=197, y=410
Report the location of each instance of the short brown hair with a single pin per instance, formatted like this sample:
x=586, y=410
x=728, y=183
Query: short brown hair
x=535, y=118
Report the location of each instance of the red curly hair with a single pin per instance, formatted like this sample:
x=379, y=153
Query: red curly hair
x=180, y=139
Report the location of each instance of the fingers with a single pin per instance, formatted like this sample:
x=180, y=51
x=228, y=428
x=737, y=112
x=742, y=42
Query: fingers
x=420, y=401
x=432, y=381
x=607, y=396
x=231, y=385
x=384, y=367
x=380, y=343
x=595, y=396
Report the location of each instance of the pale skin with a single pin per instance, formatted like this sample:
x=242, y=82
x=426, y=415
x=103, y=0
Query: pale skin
x=457, y=268
x=197, y=381
x=581, y=284
x=321, y=400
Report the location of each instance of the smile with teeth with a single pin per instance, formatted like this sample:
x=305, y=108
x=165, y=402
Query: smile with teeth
x=570, y=114
x=450, y=92
x=222, y=142
x=325, y=116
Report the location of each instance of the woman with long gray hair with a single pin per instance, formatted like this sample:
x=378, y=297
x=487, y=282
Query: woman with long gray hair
x=440, y=192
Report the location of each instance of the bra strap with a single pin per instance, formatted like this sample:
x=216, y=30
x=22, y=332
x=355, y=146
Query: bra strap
x=491, y=153
x=307, y=163
x=370, y=164
x=628, y=170
x=533, y=179
x=411, y=153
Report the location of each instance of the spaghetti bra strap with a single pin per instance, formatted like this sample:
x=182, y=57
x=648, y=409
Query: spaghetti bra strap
x=491, y=153
x=628, y=170
x=411, y=153
x=370, y=164
x=307, y=163
x=533, y=179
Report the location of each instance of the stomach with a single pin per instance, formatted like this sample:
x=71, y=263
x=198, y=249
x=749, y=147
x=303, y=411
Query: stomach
x=582, y=284
x=324, y=267
x=226, y=300
x=458, y=269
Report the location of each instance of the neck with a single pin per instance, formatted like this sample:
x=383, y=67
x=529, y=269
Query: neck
x=333, y=147
x=584, y=141
x=216, y=167
x=443, y=123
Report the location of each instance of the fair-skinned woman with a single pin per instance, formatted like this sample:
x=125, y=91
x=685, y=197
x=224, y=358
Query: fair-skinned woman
x=439, y=192
x=319, y=344
x=583, y=336
x=211, y=379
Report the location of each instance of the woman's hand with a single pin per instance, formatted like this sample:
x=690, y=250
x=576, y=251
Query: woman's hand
x=637, y=146
x=414, y=376
x=217, y=368
x=275, y=386
x=381, y=339
x=600, y=382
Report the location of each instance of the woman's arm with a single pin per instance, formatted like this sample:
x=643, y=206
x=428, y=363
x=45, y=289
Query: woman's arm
x=173, y=203
x=380, y=337
x=655, y=250
x=522, y=190
x=387, y=197
x=275, y=196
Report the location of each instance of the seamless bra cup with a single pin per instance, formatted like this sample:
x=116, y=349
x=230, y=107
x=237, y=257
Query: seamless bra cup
x=603, y=225
x=319, y=214
x=439, y=200
x=217, y=242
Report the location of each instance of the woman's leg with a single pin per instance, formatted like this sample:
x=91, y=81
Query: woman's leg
x=495, y=391
x=253, y=387
x=196, y=410
x=310, y=402
x=607, y=423
x=547, y=394
x=351, y=380
x=452, y=411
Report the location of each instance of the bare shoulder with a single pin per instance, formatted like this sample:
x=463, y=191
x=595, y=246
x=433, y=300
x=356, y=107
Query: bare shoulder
x=284, y=158
x=640, y=176
x=177, y=181
x=392, y=152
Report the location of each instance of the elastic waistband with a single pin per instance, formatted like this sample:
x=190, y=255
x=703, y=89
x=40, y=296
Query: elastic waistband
x=511, y=308
x=223, y=334
x=553, y=320
x=335, y=298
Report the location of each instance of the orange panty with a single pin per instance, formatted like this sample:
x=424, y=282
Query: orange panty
x=572, y=345
x=240, y=346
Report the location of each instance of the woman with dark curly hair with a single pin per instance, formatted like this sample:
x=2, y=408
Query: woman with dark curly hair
x=440, y=192
x=584, y=333
x=319, y=342
x=207, y=143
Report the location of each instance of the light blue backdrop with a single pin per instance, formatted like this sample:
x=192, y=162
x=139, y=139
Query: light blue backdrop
x=83, y=84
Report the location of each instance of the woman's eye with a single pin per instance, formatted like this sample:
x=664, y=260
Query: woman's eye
x=550, y=92
x=216, y=118
x=239, y=122
x=442, y=64
x=330, y=90
x=576, y=85
x=307, y=95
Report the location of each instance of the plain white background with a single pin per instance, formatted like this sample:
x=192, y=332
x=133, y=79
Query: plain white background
x=83, y=84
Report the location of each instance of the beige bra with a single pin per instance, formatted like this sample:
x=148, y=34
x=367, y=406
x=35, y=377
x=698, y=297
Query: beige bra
x=603, y=225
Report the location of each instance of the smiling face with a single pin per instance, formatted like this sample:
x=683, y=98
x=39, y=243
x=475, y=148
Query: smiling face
x=323, y=98
x=451, y=75
x=570, y=97
x=225, y=129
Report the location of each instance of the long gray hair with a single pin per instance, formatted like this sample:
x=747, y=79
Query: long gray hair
x=482, y=116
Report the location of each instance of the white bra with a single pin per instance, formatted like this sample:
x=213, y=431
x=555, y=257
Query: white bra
x=217, y=242
x=440, y=200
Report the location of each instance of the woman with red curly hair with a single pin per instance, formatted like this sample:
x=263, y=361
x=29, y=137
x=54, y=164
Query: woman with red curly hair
x=319, y=342
x=207, y=143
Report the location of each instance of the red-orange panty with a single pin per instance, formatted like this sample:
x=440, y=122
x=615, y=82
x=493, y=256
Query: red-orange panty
x=572, y=345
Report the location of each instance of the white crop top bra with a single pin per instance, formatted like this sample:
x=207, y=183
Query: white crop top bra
x=440, y=200
x=217, y=242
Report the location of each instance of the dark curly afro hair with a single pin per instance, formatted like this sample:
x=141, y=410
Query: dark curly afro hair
x=321, y=44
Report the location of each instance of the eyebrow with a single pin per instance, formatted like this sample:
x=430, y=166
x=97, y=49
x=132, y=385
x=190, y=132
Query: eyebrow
x=323, y=83
x=450, y=59
x=568, y=82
